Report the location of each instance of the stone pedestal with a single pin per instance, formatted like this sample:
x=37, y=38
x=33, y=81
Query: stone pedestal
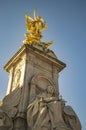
x=32, y=101
x=32, y=62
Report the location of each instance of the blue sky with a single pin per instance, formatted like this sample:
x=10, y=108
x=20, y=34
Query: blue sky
x=66, y=20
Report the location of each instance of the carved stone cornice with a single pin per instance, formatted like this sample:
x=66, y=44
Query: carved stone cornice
x=38, y=50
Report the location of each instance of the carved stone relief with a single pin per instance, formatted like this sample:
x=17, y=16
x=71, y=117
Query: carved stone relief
x=16, y=78
x=35, y=105
x=16, y=82
x=5, y=121
x=9, y=110
x=44, y=109
x=70, y=118
x=39, y=84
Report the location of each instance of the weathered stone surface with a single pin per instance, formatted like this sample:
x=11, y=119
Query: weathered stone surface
x=6, y=122
x=41, y=111
x=32, y=101
x=70, y=118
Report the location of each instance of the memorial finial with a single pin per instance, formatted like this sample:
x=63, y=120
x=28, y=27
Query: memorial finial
x=35, y=26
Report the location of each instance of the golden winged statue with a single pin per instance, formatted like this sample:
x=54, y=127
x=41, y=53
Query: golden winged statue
x=34, y=27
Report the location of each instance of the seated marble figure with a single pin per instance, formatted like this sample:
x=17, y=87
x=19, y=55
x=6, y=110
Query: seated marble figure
x=44, y=112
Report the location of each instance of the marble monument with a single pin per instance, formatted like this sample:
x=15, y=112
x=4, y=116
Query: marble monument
x=33, y=101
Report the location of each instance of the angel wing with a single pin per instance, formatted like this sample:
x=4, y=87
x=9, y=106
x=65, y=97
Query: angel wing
x=35, y=14
x=28, y=18
x=69, y=111
x=13, y=98
x=48, y=44
x=11, y=101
